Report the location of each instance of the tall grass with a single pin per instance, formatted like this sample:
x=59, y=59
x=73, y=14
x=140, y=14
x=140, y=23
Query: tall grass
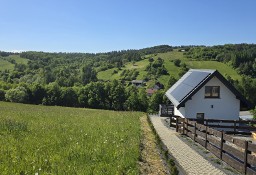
x=56, y=140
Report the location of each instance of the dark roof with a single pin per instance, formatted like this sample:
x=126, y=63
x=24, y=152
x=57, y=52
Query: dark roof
x=192, y=82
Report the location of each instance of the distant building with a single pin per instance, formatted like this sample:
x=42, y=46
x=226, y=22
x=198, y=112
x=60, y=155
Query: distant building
x=137, y=83
x=205, y=94
x=158, y=86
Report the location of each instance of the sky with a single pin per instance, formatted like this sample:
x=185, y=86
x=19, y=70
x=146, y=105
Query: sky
x=106, y=25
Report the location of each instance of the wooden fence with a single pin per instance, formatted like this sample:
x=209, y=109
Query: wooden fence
x=230, y=126
x=240, y=154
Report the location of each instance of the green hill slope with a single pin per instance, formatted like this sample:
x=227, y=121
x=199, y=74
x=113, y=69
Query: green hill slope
x=8, y=63
x=173, y=70
x=5, y=65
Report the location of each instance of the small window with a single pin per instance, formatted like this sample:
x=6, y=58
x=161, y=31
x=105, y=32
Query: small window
x=200, y=118
x=212, y=92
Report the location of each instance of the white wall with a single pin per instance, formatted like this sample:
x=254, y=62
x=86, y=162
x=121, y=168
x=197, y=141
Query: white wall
x=225, y=107
x=180, y=112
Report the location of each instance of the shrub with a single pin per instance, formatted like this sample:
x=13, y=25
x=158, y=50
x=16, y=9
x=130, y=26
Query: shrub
x=18, y=95
x=177, y=62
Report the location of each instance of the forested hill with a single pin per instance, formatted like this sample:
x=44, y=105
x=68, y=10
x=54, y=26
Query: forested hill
x=103, y=80
x=241, y=56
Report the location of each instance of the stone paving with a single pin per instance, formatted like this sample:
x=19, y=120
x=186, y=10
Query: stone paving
x=188, y=159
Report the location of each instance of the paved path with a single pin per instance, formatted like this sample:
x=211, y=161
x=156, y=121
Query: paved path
x=189, y=160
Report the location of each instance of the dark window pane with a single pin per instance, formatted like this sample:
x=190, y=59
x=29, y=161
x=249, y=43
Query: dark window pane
x=208, y=91
x=215, y=91
x=212, y=91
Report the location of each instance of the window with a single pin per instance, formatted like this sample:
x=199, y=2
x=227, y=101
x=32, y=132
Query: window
x=212, y=92
x=200, y=118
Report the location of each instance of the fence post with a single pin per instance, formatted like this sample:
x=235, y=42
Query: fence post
x=183, y=125
x=195, y=132
x=234, y=126
x=186, y=126
x=160, y=106
x=245, y=156
x=177, y=125
x=206, y=130
x=170, y=121
x=221, y=144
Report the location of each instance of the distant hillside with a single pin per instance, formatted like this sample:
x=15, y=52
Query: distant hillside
x=103, y=80
x=169, y=59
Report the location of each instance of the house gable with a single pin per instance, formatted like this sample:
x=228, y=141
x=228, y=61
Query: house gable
x=192, y=82
x=225, y=106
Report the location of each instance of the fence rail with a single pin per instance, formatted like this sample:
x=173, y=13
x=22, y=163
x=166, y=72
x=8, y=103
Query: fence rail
x=240, y=154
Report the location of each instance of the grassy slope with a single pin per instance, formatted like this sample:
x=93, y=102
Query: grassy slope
x=6, y=65
x=18, y=59
x=58, y=140
x=172, y=69
x=140, y=66
x=224, y=69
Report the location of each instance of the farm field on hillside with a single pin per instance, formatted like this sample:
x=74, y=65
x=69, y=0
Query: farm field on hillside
x=58, y=140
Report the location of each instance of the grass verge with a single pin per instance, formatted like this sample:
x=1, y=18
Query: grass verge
x=150, y=159
x=166, y=157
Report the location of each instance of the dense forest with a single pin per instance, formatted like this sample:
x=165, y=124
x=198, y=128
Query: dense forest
x=70, y=79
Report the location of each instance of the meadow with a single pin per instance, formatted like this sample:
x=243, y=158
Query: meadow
x=58, y=140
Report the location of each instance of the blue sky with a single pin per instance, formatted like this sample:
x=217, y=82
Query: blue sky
x=106, y=25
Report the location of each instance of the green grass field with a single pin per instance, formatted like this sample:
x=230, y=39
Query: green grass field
x=58, y=140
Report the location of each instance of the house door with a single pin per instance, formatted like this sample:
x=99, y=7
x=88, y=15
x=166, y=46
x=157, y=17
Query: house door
x=200, y=118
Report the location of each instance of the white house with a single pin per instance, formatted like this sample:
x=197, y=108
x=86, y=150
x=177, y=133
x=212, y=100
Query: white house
x=205, y=94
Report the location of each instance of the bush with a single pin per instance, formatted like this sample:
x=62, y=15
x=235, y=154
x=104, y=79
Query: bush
x=2, y=95
x=18, y=95
x=114, y=72
x=177, y=62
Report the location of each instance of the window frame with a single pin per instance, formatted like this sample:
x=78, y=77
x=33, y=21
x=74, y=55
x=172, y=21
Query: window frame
x=211, y=92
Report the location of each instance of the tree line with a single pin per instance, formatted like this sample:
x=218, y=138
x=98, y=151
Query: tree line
x=99, y=95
